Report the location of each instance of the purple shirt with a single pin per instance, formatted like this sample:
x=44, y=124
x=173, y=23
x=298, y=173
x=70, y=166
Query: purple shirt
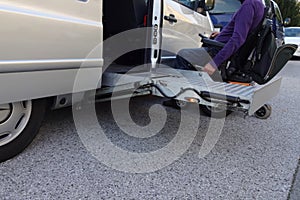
x=235, y=33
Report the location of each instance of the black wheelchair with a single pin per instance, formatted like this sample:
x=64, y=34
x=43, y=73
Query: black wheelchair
x=259, y=59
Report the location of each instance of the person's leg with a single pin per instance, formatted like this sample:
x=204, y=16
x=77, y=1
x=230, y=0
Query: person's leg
x=186, y=58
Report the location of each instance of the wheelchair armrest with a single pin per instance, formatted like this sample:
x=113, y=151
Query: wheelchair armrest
x=211, y=42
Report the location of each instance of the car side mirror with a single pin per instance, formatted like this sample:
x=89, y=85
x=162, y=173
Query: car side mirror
x=209, y=5
x=287, y=21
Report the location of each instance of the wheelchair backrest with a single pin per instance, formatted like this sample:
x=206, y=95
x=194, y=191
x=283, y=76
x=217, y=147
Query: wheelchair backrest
x=253, y=42
x=259, y=57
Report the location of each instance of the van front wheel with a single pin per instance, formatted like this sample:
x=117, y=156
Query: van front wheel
x=19, y=124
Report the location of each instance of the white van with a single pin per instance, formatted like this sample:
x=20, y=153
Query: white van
x=54, y=49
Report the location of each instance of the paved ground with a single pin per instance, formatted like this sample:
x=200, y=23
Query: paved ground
x=253, y=159
x=295, y=189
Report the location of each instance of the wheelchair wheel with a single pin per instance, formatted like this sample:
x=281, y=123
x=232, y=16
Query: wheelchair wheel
x=263, y=112
x=214, y=112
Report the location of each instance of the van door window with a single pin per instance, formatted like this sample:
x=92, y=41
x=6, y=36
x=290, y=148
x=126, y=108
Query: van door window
x=188, y=3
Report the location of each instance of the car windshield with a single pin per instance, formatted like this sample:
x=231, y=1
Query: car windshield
x=226, y=6
x=292, y=32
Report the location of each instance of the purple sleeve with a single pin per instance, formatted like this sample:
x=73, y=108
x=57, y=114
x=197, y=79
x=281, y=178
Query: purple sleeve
x=243, y=21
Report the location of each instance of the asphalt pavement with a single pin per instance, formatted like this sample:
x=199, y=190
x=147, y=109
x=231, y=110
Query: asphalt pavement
x=252, y=159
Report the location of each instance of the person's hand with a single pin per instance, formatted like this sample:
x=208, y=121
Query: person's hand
x=208, y=68
x=214, y=34
x=200, y=10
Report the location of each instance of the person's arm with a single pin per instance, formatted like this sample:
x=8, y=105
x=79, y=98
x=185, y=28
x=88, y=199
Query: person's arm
x=243, y=21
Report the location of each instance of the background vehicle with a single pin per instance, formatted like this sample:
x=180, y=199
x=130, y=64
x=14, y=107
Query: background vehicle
x=223, y=11
x=292, y=36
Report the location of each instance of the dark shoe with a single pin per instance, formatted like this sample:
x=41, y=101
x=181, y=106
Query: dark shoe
x=216, y=76
x=240, y=77
x=171, y=103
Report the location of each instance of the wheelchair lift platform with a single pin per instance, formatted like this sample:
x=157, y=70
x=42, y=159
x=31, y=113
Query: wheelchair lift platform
x=189, y=86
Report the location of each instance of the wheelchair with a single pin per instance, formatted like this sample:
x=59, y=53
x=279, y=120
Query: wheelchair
x=259, y=59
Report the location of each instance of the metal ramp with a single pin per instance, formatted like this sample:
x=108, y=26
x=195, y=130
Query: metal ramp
x=198, y=87
x=190, y=86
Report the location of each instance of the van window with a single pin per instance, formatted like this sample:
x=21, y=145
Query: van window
x=188, y=3
x=225, y=6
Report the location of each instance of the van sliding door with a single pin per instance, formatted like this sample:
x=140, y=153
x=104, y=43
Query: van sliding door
x=51, y=34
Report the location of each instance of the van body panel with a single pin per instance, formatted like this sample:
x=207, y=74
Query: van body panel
x=50, y=35
x=38, y=84
x=43, y=45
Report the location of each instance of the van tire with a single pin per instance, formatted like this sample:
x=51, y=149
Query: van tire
x=20, y=126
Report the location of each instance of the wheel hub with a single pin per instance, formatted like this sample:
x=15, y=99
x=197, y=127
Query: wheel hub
x=5, y=112
x=13, y=119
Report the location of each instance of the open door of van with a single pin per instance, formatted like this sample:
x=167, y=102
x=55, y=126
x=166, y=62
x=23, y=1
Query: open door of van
x=183, y=20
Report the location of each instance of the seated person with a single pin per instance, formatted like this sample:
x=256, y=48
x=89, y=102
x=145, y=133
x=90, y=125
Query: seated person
x=245, y=20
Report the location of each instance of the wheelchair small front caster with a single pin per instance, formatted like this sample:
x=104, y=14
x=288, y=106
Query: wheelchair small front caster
x=263, y=112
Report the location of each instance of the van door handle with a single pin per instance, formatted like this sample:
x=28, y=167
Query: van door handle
x=171, y=18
